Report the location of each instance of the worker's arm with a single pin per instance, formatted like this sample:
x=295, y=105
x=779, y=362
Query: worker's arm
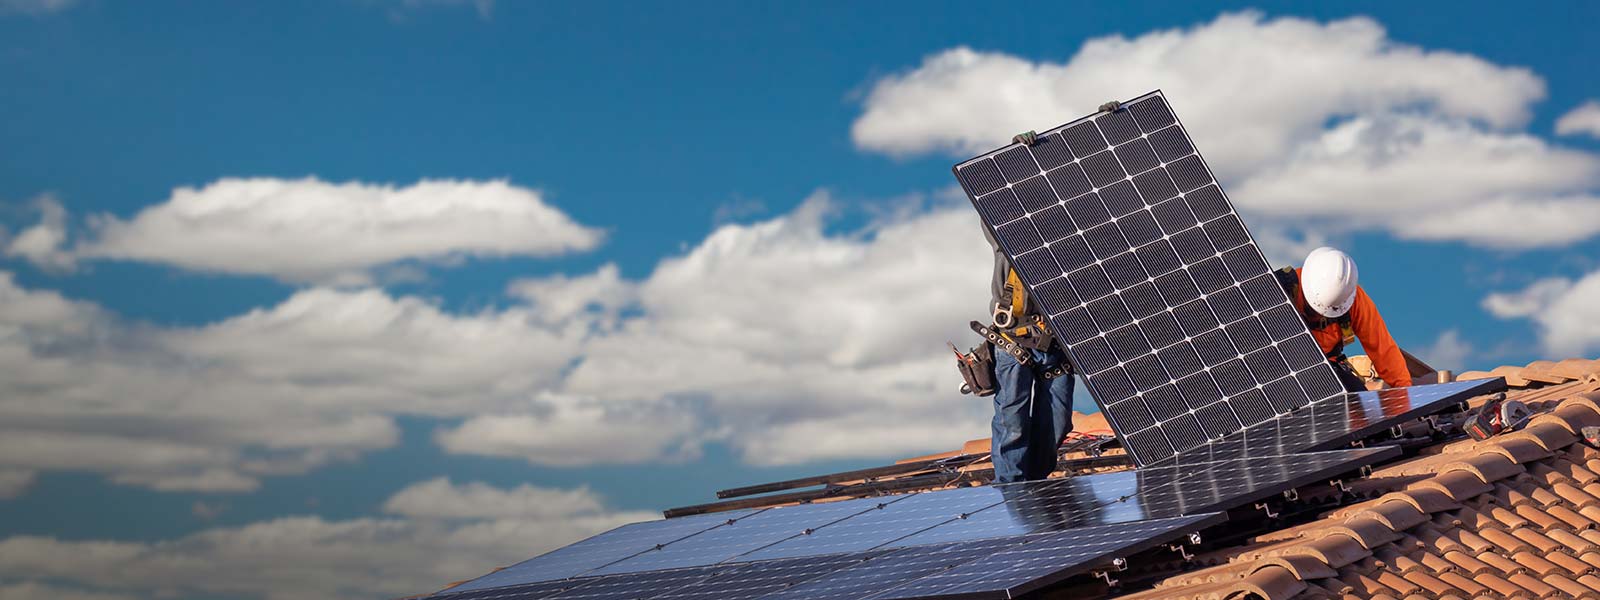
x=1377, y=342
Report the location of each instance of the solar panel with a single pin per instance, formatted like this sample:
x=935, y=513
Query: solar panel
x=879, y=528
x=738, y=536
x=1167, y=308
x=601, y=550
x=1145, y=494
x=756, y=580
x=1042, y=559
x=1337, y=422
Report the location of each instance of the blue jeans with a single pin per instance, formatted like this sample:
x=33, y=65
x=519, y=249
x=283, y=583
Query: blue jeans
x=1032, y=415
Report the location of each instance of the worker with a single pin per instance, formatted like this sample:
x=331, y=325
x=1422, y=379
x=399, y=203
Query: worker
x=1032, y=412
x=1339, y=312
x=1032, y=408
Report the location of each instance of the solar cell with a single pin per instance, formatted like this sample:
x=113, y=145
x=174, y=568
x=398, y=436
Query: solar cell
x=757, y=580
x=738, y=536
x=879, y=528
x=1041, y=559
x=600, y=550
x=1335, y=422
x=1154, y=257
x=1184, y=486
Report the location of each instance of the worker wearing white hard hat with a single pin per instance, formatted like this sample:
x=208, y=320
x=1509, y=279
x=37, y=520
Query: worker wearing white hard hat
x=1339, y=312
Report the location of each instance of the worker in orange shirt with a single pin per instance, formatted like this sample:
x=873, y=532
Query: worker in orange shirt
x=1339, y=312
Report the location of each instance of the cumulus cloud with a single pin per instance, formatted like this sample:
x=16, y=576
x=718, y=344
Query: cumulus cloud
x=444, y=532
x=441, y=499
x=1313, y=127
x=780, y=339
x=42, y=243
x=1563, y=310
x=30, y=590
x=1585, y=119
x=13, y=482
x=1448, y=351
x=753, y=338
x=308, y=230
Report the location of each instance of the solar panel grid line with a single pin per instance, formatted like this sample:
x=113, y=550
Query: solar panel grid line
x=1126, y=223
x=1127, y=498
x=604, y=549
x=749, y=533
x=1042, y=559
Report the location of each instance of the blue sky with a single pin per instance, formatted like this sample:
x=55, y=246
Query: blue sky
x=653, y=240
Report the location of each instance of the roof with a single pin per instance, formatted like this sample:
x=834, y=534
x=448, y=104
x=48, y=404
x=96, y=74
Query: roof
x=1514, y=516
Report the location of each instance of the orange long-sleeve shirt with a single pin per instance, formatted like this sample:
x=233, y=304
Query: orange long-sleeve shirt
x=1374, y=335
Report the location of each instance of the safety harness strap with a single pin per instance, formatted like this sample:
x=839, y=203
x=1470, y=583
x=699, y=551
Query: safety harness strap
x=1018, y=294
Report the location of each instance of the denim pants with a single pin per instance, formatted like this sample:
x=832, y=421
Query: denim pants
x=1031, y=417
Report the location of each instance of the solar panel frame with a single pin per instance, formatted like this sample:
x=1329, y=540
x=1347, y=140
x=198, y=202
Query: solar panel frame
x=1165, y=225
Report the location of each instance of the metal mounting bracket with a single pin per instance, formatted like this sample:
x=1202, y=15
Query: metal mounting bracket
x=1267, y=508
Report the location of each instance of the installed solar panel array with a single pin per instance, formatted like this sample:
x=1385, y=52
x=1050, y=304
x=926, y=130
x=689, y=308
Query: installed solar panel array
x=1149, y=278
x=990, y=541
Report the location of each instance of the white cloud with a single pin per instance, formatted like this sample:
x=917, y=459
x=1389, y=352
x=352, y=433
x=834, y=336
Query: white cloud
x=35, y=7
x=753, y=338
x=42, y=243
x=308, y=230
x=1425, y=178
x=441, y=499
x=1585, y=119
x=1315, y=128
x=447, y=533
x=786, y=342
x=29, y=590
x=13, y=482
x=1448, y=351
x=1564, y=310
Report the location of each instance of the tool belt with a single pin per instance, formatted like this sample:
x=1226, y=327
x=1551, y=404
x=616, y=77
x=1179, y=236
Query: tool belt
x=977, y=366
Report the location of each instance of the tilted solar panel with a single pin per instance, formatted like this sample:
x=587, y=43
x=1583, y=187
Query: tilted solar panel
x=1169, y=311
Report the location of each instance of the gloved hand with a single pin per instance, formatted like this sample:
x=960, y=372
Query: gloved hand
x=1028, y=138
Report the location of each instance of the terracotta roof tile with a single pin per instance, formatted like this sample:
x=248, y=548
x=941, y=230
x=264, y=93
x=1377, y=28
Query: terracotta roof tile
x=1591, y=582
x=1427, y=500
x=1574, y=544
x=1515, y=516
x=1551, y=434
x=1518, y=449
x=1569, y=563
x=1528, y=582
x=1528, y=513
x=1573, y=495
x=1535, y=563
x=1458, y=485
x=1271, y=582
x=1394, y=515
x=1488, y=467
x=1499, y=585
x=1432, y=562
x=1334, y=550
x=1536, y=539
x=1467, y=562
x=1463, y=583
x=1505, y=542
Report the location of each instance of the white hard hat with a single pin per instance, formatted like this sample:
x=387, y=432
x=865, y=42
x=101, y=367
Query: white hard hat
x=1329, y=282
